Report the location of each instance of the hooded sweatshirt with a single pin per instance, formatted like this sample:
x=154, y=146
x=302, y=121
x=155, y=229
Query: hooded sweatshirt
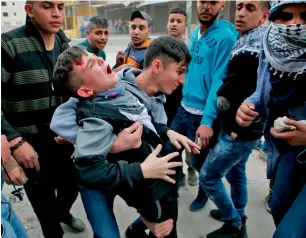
x=94, y=139
x=64, y=118
x=210, y=56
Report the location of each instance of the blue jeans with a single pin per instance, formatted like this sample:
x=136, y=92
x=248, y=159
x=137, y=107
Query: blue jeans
x=12, y=226
x=288, y=184
x=293, y=224
x=187, y=124
x=228, y=158
x=99, y=211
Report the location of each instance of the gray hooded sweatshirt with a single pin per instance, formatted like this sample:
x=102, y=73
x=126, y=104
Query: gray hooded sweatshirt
x=95, y=138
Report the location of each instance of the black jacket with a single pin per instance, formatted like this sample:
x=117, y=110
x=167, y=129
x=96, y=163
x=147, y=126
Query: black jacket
x=239, y=84
x=28, y=101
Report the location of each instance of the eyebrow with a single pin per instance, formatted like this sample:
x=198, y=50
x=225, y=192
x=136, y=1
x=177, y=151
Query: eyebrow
x=48, y=2
x=251, y=5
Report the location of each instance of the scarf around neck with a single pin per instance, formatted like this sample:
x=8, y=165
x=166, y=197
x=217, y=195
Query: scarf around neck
x=285, y=48
x=251, y=41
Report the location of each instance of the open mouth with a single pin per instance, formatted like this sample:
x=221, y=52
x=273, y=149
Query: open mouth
x=109, y=70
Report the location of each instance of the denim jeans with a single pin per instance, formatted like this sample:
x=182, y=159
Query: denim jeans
x=12, y=226
x=99, y=211
x=288, y=184
x=187, y=124
x=228, y=158
x=293, y=223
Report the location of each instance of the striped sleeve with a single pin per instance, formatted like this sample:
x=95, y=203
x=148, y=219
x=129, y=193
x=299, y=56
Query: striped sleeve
x=6, y=73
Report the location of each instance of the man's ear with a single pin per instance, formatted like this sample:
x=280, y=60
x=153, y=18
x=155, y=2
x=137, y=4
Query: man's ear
x=87, y=33
x=85, y=92
x=266, y=15
x=156, y=66
x=150, y=30
x=29, y=9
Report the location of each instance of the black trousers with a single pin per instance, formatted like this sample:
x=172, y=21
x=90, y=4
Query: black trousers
x=53, y=190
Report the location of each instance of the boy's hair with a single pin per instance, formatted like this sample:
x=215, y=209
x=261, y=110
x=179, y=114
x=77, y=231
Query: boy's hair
x=65, y=83
x=179, y=10
x=97, y=21
x=168, y=49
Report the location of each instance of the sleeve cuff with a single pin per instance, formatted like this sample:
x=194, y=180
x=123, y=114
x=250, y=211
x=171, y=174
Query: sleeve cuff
x=135, y=172
x=207, y=120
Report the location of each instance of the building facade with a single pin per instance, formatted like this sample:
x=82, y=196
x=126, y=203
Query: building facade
x=12, y=13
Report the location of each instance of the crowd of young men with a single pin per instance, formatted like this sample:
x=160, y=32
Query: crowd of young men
x=223, y=92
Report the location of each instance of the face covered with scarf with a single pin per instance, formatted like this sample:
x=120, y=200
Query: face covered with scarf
x=285, y=39
x=284, y=45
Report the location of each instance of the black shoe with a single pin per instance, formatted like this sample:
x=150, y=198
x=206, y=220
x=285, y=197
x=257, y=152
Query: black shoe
x=216, y=214
x=75, y=223
x=228, y=231
x=130, y=233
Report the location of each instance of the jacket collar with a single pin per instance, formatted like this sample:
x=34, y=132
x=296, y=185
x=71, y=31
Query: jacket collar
x=144, y=45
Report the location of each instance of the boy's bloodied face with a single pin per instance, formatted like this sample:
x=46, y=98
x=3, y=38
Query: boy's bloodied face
x=95, y=73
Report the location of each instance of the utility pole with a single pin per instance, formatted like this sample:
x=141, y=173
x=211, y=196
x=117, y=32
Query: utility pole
x=89, y=8
x=189, y=21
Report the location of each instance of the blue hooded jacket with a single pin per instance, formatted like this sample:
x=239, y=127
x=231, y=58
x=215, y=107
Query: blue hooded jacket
x=210, y=57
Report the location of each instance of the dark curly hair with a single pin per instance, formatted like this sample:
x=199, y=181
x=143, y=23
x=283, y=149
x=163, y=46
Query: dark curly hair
x=97, y=21
x=64, y=83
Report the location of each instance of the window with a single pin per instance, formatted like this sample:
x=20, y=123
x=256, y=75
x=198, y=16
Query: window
x=5, y=14
x=3, y=3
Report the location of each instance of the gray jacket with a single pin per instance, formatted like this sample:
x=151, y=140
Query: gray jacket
x=95, y=137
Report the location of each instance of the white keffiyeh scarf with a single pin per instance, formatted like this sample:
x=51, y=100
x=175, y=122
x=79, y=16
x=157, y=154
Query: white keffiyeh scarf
x=285, y=48
x=251, y=41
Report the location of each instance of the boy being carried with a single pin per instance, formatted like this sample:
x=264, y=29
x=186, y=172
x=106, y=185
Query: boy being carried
x=105, y=108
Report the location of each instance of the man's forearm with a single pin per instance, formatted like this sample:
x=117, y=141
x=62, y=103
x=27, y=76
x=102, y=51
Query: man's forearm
x=10, y=164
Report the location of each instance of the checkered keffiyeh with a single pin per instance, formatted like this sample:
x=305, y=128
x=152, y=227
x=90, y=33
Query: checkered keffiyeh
x=285, y=47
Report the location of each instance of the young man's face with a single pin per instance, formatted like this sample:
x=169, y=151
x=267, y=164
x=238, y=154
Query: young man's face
x=139, y=31
x=249, y=15
x=98, y=37
x=176, y=25
x=47, y=15
x=292, y=14
x=208, y=11
x=96, y=74
x=169, y=77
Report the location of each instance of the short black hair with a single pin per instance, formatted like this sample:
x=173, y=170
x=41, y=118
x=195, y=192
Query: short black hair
x=97, y=21
x=168, y=49
x=63, y=82
x=179, y=10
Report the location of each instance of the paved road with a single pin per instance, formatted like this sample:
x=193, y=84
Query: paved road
x=190, y=225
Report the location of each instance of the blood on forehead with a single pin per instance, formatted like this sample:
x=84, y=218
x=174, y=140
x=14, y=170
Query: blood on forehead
x=78, y=62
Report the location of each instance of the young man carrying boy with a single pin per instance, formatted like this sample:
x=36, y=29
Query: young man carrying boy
x=163, y=73
x=97, y=36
